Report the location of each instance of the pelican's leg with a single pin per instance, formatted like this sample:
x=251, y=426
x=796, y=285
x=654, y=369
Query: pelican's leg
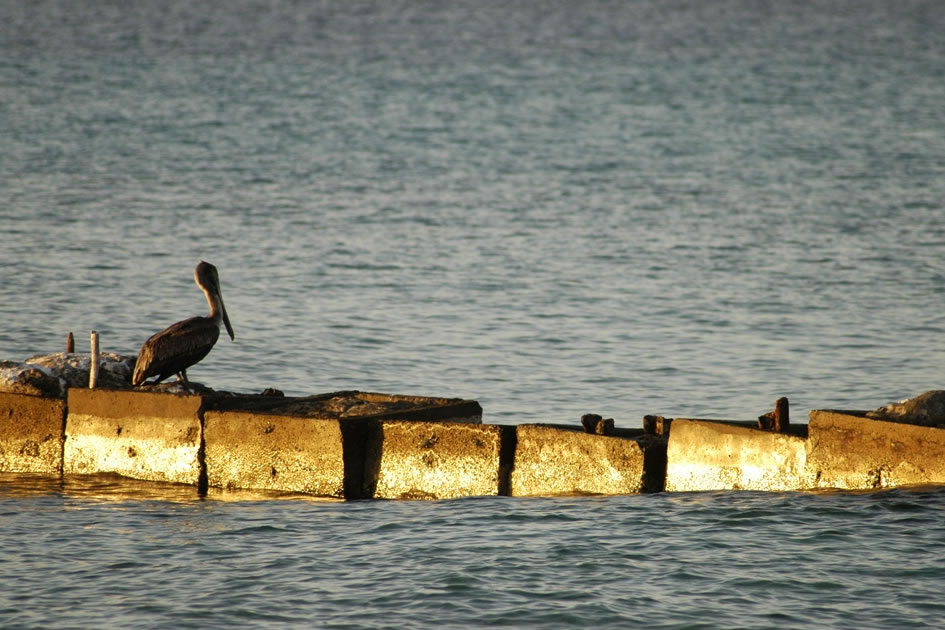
x=182, y=379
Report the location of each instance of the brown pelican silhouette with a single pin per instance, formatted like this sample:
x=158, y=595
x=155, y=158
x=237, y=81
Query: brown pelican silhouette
x=183, y=344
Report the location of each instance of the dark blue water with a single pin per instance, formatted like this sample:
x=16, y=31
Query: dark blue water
x=553, y=208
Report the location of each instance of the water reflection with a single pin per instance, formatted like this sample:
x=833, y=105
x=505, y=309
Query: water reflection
x=109, y=487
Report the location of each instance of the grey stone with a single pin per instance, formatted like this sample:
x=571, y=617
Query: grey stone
x=927, y=410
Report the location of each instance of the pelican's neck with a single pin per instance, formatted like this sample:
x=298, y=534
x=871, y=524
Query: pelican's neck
x=216, y=306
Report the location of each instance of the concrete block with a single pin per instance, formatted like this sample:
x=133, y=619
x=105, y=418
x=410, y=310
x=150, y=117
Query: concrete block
x=150, y=436
x=313, y=444
x=433, y=460
x=850, y=451
x=707, y=455
x=553, y=461
x=272, y=452
x=31, y=433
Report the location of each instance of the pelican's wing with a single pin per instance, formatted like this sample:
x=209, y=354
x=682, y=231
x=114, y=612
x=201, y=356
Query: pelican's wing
x=175, y=348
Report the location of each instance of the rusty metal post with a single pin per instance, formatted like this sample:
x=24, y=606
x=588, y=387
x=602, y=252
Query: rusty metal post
x=656, y=425
x=70, y=343
x=781, y=415
x=778, y=420
x=589, y=422
x=594, y=423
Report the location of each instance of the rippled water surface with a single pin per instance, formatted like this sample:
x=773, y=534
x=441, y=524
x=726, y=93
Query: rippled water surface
x=553, y=208
x=129, y=555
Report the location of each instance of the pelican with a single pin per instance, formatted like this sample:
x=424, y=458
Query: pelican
x=183, y=344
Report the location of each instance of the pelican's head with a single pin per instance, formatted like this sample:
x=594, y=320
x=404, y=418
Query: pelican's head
x=207, y=278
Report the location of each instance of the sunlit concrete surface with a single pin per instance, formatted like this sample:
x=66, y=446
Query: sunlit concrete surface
x=314, y=444
x=364, y=445
x=706, y=455
x=557, y=461
x=273, y=452
x=141, y=435
x=432, y=460
x=31, y=430
x=850, y=451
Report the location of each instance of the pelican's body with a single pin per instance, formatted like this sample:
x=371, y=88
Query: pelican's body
x=183, y=344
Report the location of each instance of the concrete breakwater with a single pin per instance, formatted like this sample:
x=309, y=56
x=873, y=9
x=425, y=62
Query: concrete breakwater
x=360, y=445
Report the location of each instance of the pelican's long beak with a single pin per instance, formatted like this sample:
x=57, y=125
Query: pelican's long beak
x=226, y=319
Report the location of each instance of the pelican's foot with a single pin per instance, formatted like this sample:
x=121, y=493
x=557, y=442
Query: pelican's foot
x=183, y=382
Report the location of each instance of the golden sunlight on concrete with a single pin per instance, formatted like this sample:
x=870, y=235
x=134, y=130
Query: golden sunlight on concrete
x=850, y=451
x=557, y=461
x=432, y=460
x=141, y=435
x=707, y=455
x=272, y=452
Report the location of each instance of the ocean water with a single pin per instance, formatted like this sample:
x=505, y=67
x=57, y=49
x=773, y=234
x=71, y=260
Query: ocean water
x=129, y=555
x=554, y=208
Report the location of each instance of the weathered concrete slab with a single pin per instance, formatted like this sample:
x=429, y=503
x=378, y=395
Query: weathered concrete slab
x=270, y=452
x=850, y=451
x=551, y=460
x=155, y=437
x=313, y=444
x=31, y=433
x=353, y=404
x=706, y=455
x=433, y=460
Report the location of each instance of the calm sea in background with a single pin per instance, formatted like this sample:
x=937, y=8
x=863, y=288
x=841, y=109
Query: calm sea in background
x=554, y=208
